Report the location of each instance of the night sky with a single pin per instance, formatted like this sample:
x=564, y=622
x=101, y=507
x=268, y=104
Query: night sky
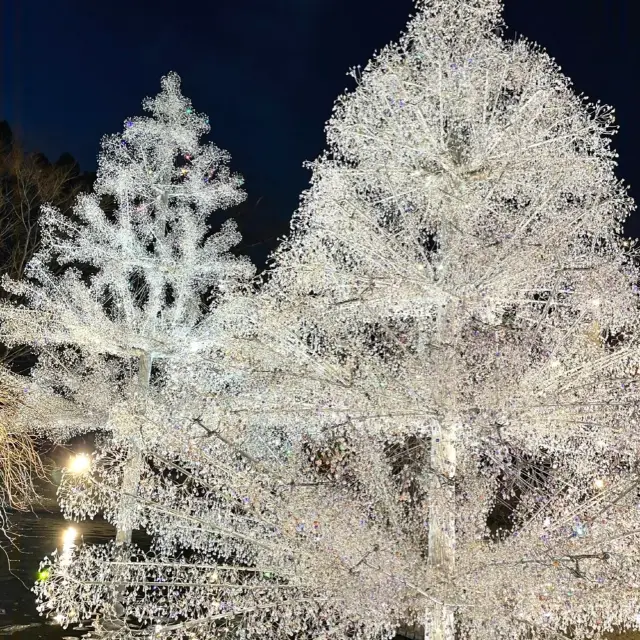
x=266, y=72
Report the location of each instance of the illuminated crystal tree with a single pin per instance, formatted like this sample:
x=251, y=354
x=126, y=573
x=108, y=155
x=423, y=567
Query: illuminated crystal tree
x=148, y=261
x=457, y=273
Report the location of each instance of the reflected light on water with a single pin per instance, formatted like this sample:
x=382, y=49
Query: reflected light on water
x=68, y=537
x=68, y=540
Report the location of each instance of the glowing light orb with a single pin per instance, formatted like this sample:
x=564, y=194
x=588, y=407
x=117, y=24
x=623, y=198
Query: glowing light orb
x=80, y=463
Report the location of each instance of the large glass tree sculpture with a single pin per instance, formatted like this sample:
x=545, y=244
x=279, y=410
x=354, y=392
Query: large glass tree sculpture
x=468, y=217
x=137, y=261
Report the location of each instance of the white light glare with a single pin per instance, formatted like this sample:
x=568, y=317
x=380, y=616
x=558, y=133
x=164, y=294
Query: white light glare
x=80, y=463
x=68, y=537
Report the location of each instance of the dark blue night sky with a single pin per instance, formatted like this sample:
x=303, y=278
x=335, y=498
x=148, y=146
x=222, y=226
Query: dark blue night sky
x=265, y=71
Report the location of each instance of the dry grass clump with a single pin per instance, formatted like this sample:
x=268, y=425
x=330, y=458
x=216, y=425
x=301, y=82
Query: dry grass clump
x=20, y=463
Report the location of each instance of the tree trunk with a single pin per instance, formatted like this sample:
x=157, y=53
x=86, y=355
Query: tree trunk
x=133, y=466
x=130, y=481
x=439, y=618
x=126, y=512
